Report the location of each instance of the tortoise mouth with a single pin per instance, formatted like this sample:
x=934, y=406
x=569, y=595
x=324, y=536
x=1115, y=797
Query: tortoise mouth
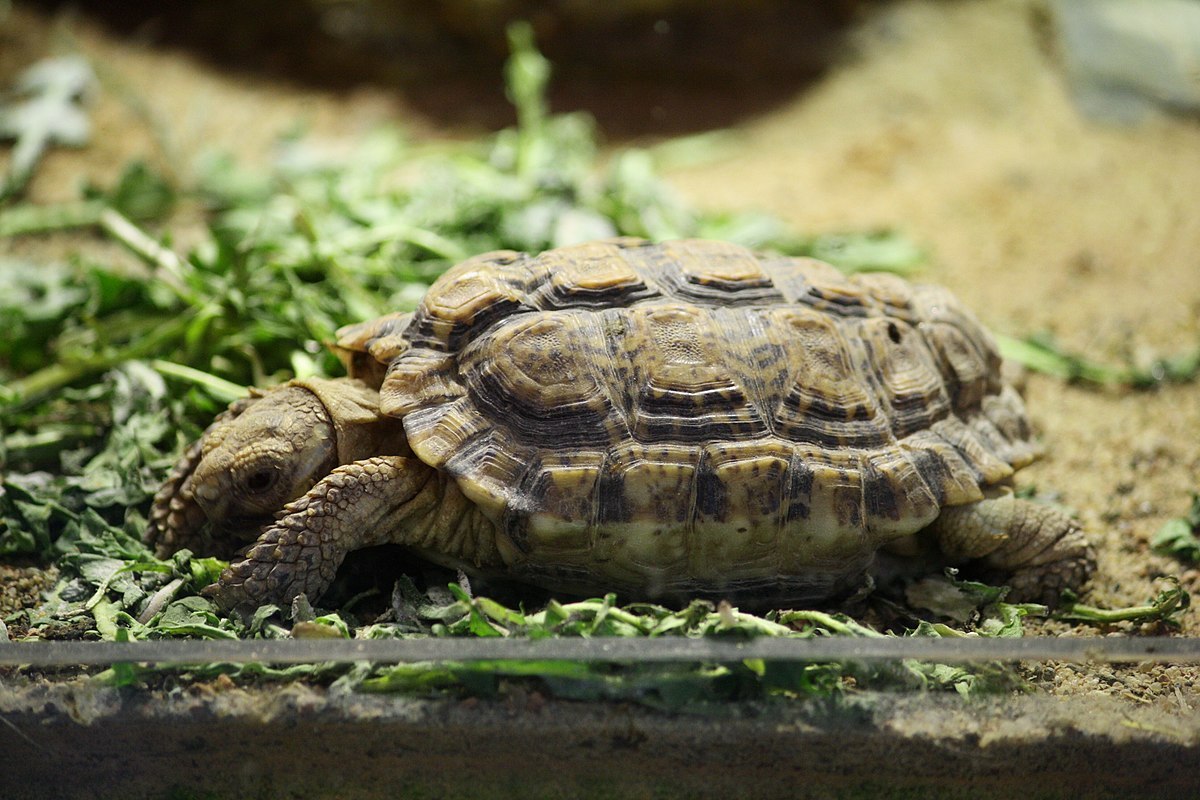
x=231, y=536
x=178, y=520
x=175, y=516
x=242, y=529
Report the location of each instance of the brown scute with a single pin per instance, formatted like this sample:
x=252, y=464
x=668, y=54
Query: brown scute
x=698, y=404
x=910, y=387
x=945, y=470
x=891, y=292
x=366, y=348
x=1006, y=411
x=716, y=273
x=592, y=275
x=649, y=484
x=795, y=278
x=681, y=379
x=821, y=394
x=467, y=299
x=539, y=372
x=974, y=450
x=440, y=433
x=899, y=493
x=567, y=489
x=420, y=379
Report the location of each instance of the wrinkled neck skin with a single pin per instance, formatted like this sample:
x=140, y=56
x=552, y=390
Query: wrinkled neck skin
x=261, y=455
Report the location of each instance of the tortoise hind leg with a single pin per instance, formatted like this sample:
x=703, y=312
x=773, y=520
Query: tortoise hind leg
x=1043, y=550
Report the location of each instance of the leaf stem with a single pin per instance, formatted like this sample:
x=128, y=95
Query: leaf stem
x=55, y=376
x=220, y=389
x=168, y=267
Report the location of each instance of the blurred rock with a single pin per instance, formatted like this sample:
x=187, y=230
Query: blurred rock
x=1126, y=58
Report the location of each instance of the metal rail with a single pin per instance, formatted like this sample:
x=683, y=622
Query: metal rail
x=633, y=650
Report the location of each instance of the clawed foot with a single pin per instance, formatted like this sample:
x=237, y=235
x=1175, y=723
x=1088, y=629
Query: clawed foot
x=1039, y=550
x=289, y=559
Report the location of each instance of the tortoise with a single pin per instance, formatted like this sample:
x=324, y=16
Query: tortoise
x=667, y=420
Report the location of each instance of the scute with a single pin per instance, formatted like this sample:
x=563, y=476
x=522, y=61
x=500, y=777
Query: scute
x=822, y=396
x=687, y=412
x=717, y=273
x=538, y=373
x=368, y=347
x=591, y=275
x=912, y=391
x=677, y=377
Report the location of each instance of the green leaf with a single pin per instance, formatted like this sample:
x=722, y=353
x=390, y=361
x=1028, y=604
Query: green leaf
x=142, y=193
x=1178, y=537
x=193, y=617
x=886, y=251
x=44, y=110
x=1041, y=353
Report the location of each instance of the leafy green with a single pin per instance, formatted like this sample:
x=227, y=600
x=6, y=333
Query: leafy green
x=1180, y=537
x=44, y=110
x=1041, y=353
x=674, y=686
x=92, y=505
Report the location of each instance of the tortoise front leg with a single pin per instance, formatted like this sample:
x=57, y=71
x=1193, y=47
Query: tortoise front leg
x=1043, y=550
x=357, y=505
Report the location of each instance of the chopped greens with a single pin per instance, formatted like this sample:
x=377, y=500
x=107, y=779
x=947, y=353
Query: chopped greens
x=44, y=110
x=1180, y=537
x=1162, y=607
x=1042, y=354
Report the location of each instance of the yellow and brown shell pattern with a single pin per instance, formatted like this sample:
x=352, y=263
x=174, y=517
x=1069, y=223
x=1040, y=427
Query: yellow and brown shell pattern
x=693, y=414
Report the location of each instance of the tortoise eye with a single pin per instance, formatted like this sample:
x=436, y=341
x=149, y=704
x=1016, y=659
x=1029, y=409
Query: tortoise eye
x=260, y=481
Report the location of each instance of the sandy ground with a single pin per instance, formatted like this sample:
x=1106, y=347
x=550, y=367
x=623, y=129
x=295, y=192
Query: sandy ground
x=955, y=128
x=948, y=121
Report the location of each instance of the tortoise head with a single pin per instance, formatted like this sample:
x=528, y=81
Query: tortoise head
x=256, y=457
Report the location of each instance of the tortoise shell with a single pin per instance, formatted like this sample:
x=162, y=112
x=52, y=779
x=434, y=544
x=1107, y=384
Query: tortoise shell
x=690, y=413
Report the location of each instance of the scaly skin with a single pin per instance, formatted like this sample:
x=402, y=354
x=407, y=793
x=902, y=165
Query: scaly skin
x=387, y=499
x=1041, y=550
x=176, y=519
x=262, y=453
x=316, y=457
x=355, y=506
x=258, y=455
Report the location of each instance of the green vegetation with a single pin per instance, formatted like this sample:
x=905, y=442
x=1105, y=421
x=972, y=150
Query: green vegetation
x=1041, y=353
x=1180, y=537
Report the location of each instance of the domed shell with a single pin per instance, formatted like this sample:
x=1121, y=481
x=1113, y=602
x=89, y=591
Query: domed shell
x=691, y=411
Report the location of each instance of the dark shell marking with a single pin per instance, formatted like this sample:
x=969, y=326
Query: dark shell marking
x=689, y=412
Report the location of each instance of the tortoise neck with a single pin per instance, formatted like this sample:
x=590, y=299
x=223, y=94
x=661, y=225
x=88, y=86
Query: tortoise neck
x=360, y=429
x=447, y=528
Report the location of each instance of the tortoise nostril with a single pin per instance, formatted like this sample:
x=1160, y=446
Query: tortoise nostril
x=206, y=492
